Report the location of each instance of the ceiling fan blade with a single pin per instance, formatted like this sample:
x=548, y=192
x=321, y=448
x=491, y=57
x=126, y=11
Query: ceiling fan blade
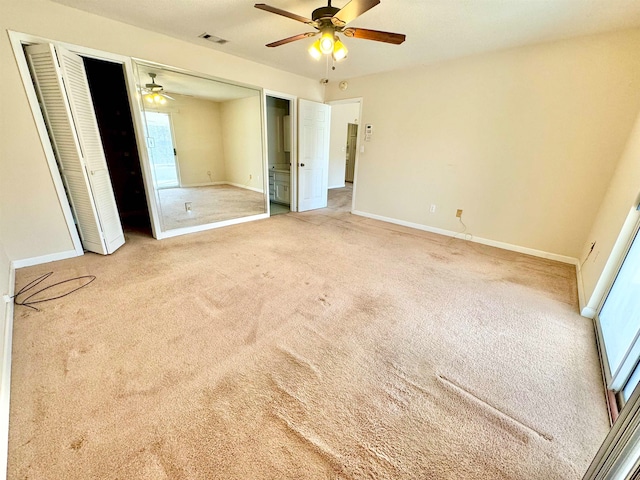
x=291, y=39
x=352, y=10
x=378, y=36
x=284, y=13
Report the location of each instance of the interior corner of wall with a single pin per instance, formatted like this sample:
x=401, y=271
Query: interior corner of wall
x=581, y=293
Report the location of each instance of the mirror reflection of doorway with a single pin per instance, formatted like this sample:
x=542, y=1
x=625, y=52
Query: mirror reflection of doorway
x=162, y=150
x=279, y=154
x=352, y=144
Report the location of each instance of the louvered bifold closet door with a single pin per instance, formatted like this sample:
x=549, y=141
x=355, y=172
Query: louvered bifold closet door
x=64, y=95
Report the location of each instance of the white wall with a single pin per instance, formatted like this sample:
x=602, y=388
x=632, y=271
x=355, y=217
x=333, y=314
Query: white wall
x=33, y=222
x=242, y=140
x=525, y=141
x=341, y=115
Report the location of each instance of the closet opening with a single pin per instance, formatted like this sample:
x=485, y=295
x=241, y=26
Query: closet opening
x=115, y=123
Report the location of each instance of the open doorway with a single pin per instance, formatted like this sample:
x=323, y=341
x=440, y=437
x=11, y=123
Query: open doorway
x=115, y=123
x=352, y=146
x=343, y=152
x=279, y=154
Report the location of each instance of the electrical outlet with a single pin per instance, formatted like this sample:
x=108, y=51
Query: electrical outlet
x=187, y=206
x=459, y=213
x=433, y=208
x=250, y=176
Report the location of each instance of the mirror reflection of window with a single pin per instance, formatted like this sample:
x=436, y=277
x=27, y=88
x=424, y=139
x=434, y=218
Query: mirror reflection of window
x=205, y=148
x=162, y=150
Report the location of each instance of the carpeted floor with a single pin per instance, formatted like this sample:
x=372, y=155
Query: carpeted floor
x=209, y=204
x=318, y=345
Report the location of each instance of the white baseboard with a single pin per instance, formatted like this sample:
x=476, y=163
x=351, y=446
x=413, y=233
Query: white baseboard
x=210, y=226
x=484, y=241
x=337, y=186
x=6, y=342
x=53, y=257
x=205, y=184
x=239, y=185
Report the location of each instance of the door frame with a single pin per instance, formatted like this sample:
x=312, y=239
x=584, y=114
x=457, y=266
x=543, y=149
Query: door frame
x=18, y=40
x=618, y=456
x=359, y=100
x=620, y=256
x=293, y=113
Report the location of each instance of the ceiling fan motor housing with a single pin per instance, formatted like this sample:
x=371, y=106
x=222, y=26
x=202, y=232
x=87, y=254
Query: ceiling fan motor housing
x=324, y=13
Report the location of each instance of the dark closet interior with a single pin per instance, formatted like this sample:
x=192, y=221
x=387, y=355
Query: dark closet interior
x=113, y=112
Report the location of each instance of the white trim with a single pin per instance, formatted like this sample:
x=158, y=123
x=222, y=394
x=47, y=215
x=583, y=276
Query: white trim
x=210, y=226
x=52, y=257
x=5, y=372
x=484, y=241
x=246, y=187
x=588, y=312
x=614, y=262
x=189, y=185
x=336, y=186
x=130, y=77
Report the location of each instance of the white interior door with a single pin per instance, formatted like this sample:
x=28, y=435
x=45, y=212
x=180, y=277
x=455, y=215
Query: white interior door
x=63, y=91
x=313, y=146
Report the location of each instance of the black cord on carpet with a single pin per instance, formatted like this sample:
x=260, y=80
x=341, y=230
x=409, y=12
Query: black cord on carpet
x=27, y=302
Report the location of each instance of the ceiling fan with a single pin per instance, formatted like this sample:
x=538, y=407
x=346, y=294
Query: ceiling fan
x=154, y=93
x=328, y=22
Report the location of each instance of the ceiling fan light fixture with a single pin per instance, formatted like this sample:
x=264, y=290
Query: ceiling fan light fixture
x=314, y=50
x=327, y=40
x=339, y=51
x=155, y=98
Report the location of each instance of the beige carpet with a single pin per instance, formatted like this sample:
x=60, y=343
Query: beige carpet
x=208, y=205
x=307, y=346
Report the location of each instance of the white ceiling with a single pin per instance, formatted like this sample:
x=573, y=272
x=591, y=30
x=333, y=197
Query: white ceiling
x=436, y=29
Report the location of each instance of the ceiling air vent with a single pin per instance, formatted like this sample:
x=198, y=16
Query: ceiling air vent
x=213, y=38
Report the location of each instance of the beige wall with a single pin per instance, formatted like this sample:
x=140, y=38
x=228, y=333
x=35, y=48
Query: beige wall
x=621, y=198
x=341, y=116
x=198, y=139
x=242, y=140
x=5, y=289
x=33, y=224
x=525, y=141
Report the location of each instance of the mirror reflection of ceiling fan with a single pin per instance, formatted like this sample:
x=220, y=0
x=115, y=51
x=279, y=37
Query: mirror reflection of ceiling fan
x=154, y=93
x=328, y=22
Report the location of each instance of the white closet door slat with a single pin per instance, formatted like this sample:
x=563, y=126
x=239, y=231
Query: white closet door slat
x=90, y=195
x=77, y=86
